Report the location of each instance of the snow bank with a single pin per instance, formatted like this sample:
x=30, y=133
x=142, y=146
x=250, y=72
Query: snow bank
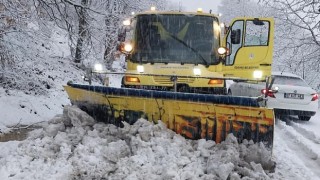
x=73, y=146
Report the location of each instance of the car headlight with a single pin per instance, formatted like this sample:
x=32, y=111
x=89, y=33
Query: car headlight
x=197, y=71
x=126, y=22
x=257, y=74
x=140, y=68
x=222, y=50
x=128, y=47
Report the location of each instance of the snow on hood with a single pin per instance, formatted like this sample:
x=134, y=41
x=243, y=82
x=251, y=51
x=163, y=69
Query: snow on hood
x=74, y=146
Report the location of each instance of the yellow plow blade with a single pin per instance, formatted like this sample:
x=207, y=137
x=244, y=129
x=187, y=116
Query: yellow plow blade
x=194, y=116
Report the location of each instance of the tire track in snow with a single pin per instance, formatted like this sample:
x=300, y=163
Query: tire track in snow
x=305, y=132
x=306, y=149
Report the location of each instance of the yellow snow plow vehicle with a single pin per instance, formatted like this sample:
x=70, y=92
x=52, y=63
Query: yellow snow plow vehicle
x=177, y=64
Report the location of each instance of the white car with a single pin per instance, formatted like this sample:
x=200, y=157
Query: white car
x=289, y=95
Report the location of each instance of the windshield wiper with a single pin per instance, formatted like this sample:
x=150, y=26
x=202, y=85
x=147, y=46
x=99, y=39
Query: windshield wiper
x=192, y=49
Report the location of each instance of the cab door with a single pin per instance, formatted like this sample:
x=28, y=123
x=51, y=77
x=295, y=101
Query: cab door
x=250, y=48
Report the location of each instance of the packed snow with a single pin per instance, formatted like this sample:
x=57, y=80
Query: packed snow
x=74, y=146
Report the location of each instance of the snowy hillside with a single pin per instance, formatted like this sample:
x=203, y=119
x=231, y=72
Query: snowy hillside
x=33, y=90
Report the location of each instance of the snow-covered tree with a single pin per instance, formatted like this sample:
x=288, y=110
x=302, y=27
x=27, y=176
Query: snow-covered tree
x=93, y=25
x=21, y=45
x=242, y=8
x=300, y=34
x=13, y=17
x=32, y=32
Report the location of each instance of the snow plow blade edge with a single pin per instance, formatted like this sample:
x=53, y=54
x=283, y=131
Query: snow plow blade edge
x=193, y=116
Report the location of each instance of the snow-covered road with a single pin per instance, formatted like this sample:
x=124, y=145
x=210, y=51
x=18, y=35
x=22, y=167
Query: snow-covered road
x=297, y=148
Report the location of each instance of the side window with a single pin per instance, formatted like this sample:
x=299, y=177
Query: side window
x=257, y=34
x=234, y=41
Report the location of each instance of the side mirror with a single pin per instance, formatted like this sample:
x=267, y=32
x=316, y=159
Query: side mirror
x=226, y=29
x=235, y=36
x=258, y=22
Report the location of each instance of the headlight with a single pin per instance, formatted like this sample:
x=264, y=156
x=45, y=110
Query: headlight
x=128, y=47
x=98, y=67
x=196, y=71
x=222, y=50
x=126, y=22
x=140, y=68
x=257, y=74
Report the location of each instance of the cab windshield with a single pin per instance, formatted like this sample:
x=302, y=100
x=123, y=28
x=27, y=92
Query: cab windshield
x=171, y=38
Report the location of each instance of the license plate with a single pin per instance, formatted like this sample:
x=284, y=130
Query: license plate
x=293, y=96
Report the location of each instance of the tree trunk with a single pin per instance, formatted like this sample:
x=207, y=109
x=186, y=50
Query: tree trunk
x=82, y=33
x=111, y=23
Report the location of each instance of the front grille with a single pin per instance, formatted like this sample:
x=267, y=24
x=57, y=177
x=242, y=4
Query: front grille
x=167, y=81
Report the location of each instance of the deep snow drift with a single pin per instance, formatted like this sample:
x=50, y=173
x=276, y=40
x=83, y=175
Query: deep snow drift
x=74, y=146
